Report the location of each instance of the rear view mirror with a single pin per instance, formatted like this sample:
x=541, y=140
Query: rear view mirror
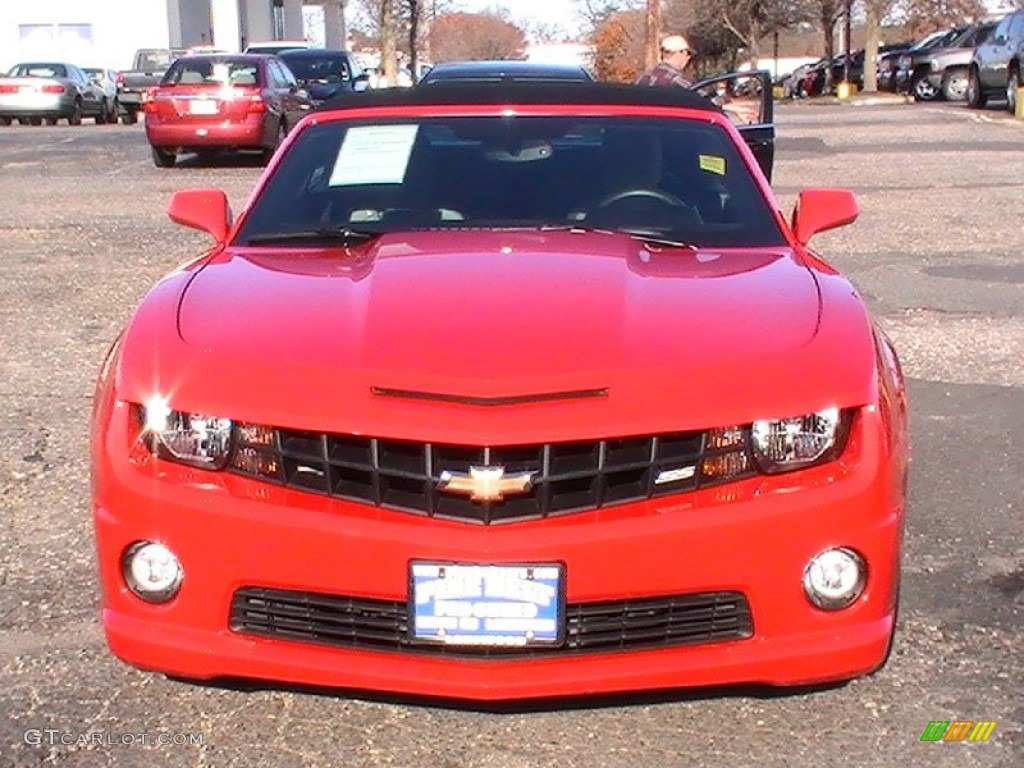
x=820, y=209
x=205, y=209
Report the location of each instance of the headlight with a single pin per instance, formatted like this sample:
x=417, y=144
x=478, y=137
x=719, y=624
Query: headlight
x=781, y=445
x=904, y=62
x=198, y=439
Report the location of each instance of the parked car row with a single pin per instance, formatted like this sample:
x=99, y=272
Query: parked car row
x=220, y=102
x=976, y=62
x=195, y=102
x=936, y=66
x=813, y=80
x=45, y=91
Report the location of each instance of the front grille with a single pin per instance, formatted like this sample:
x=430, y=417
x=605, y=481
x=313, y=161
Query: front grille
x=383, y=625
x=403, y=475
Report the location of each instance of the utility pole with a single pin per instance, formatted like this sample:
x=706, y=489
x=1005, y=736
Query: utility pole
x=653, y=34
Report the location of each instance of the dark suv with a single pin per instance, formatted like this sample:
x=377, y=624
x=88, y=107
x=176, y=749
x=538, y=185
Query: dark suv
x=940, y=71
x=995, y=71
x=325, y=73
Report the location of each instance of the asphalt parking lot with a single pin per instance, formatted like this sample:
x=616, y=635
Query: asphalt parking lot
x=937, y=254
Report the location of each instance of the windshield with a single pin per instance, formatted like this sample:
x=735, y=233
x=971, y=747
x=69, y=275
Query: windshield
x=675, y=179
x=937, y=39
x=196, y=70
x=39, y=70
x=156, y=60
x=324, y=69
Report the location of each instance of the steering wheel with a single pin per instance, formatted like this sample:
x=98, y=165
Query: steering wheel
x=642, y=192
x=603, y=207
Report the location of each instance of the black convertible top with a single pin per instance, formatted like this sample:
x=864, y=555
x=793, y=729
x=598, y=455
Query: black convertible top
x=455, y=93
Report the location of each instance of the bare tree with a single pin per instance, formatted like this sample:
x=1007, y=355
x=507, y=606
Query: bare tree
x=596, y=12
x=923, y=16
x=388, y=41
x=720, y=30
x=545, y=32
x=412, y=8
x=874, y=12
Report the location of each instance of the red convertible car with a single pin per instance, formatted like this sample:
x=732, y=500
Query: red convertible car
x=498, y=393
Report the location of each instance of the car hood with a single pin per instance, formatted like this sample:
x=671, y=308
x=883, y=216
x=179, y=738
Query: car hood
x=421, y=333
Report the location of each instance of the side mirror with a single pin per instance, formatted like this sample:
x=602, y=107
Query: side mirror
x=361, y=82
x=820, y=209
x=205, y=209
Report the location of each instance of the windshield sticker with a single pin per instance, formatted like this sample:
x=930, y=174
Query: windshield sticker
x=712, y=164
x=374, y=154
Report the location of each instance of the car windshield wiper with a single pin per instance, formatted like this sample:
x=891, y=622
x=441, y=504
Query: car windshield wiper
x=663, y=241
x=342, y=235
x=636, y=235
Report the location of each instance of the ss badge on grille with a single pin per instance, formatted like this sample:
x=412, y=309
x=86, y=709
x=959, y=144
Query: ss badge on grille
x=486, y=483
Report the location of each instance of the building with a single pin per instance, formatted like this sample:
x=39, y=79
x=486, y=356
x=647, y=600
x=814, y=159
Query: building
x=106, y=33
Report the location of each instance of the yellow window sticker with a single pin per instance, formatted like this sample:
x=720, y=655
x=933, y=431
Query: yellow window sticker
x=712, y=164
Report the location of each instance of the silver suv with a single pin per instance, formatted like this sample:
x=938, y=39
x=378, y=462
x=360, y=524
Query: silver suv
x=940, y=72
x=995, y=70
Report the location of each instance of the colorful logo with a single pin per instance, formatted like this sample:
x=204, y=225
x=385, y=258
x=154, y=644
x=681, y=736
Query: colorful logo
x=958, y=730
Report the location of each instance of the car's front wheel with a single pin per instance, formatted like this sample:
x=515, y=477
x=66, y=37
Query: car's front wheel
x=131, y=117
x=5, y=121
x=164, y=158
x=924, y=90
x=954, y=85
x=75, y=118
x=975, y=96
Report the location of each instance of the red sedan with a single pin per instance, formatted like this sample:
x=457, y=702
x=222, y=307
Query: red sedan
x=498, y=393
x=216, y=102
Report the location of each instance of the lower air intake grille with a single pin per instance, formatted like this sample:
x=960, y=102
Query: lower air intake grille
x=383, y=625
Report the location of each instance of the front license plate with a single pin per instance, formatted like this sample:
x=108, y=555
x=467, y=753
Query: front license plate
x=487, y=605
x=203, y=107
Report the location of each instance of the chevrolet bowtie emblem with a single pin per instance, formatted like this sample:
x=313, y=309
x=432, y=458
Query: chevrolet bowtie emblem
x=486, y=483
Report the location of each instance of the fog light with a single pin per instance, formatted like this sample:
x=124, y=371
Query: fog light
x=151, y=571
x=835, y=578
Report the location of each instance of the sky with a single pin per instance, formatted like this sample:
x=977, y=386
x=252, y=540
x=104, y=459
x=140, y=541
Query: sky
x=527, y=13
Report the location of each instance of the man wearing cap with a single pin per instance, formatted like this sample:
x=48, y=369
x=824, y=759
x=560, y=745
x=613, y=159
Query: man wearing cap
x=675, y=56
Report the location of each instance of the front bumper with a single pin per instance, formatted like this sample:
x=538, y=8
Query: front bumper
x=754, y=537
